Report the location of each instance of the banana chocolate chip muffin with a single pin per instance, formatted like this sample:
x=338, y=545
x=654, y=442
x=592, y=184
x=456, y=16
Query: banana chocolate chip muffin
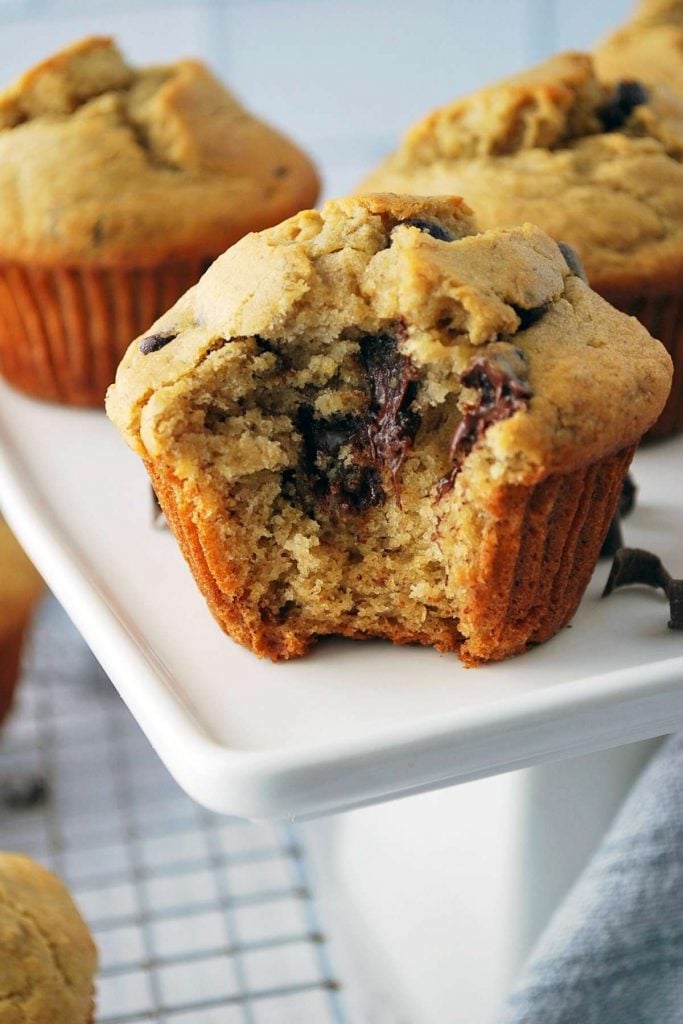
x=649, y=47
x=117, y=187
x=373, y=421
x=47, y=956
x=597, y=166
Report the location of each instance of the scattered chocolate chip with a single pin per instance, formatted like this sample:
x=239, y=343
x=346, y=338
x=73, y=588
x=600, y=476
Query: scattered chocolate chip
x=154, y=342
x=614, y=539
x=23, y=792
x=571, y=258
x=633, y=565
x=501, y=394
x=281, y=171
x=430, y=227
x=158, y=517
x=627, y=498
x=625, y=98
x=528, y=317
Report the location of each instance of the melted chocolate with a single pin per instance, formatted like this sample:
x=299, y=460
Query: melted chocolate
x=527, y=317
x=154, y=342
x=376, y=440
x=391, y=426
x=501, y=394
x=625, y=98
x=633, y=565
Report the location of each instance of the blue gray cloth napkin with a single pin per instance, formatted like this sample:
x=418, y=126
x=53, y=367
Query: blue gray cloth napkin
x=613, y=952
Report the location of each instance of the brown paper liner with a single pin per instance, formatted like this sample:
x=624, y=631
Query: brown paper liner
x=63, y=331
x=662, y=315
x=538, y=552
x=538, y=557
x=10, y=661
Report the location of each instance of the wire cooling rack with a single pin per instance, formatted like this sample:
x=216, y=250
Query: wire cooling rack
x=199, y=919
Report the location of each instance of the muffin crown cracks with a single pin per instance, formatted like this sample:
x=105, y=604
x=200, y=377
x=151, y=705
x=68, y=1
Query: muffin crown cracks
x=104, y=163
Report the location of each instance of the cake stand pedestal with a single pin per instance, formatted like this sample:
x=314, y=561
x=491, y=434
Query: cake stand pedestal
x=434, y=901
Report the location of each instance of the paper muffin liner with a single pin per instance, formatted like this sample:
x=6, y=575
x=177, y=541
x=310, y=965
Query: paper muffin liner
x=539, y=552
x=10, y=660
x=662, y=315
x=64, y=330
x=539, y=548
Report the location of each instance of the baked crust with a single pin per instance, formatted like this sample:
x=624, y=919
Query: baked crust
x=532, y=148
x=648, y=47
x=48, y=957
x=102, y=164
x=373, y=421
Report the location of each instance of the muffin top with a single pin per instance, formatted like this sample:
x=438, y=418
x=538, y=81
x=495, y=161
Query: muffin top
x=47, y=957
x=281, y=318
x=101, y=163
x=20, y=584
x=596, y=166
x=649, y=47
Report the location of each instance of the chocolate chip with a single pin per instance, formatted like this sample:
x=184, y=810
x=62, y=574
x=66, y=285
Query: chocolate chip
x=614, y=539
x=627, y=498
x=528, y=317
x=158, y=517
x=430, y=227
x=625, y=98
x=154, y=342
x=571, y=258
x=501, y=394
x=633, y=565
x=24, y=792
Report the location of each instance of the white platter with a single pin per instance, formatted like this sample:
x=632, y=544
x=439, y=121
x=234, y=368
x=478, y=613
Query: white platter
x=353, y=723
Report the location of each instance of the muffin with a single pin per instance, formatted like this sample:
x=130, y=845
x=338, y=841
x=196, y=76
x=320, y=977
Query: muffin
x=20, y=589
x=649, y=47
x=595, y=166
x=47, y=956
x=118, y=187
x=372, y=421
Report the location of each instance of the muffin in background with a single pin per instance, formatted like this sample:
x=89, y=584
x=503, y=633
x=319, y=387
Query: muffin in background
x=20, y=590
x=597, y=166
x=648, y=47
x=118, y=187
x=47, y=956
x=374, y=421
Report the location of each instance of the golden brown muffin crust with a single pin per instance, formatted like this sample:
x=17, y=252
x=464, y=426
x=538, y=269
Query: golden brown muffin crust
x=47, y=956
x=532, y=148
x=321, y=271
x=105, y=164
x=649, y=47
x=352, y=417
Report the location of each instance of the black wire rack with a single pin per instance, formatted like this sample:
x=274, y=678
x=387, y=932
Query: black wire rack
x=199, y=919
